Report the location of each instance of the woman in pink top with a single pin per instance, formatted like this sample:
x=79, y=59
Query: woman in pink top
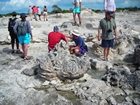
x=35, y=11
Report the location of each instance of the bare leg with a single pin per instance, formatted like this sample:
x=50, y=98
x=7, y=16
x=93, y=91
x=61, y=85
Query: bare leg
x=77, y=52
x=79, y=17
x=106, y=53
x=25, y=49
x=74, y=17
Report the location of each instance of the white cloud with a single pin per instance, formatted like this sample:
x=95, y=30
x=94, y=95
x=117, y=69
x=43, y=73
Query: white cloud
x=19, y=4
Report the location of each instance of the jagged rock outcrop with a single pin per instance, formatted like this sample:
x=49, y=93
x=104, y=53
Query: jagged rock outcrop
x=137, y=55
x=59, y=63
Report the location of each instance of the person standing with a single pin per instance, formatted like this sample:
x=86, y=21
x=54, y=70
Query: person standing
x=45, y=13
x=80, y=48
x=77, y=10
x=35, y=11
x=30, y=12
x=23, y=30
x=55, y=37
x=39, y=13
x=109, y=5
x=12, y=22
x=108, y=27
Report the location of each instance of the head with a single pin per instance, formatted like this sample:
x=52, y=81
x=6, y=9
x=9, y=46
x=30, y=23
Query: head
x=109, y=15
x=75, y=33
x=44, y=6
x=23, y=16
x=55, y=29
x=14, y=14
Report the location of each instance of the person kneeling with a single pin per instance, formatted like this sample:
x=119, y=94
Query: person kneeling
x=80, y=48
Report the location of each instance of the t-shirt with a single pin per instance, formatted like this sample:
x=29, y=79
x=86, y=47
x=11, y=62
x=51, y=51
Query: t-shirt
x=106, y=25
x=79, y=41
x=54, y=38
x=30, y=10
x=77, y=2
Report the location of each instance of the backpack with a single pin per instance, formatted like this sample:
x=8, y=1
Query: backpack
x=22, y=28
x=11, y=24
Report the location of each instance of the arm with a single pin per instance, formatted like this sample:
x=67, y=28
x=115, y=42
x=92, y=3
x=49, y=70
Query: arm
x=73, y=48
x=80, y=5
x=15, y=27
x=115, y=32
x=29, y=29
x=73, y=3
x=99, y=36
x=66, y=40
x=114, y=7
x=105, y=5
x=69, y=37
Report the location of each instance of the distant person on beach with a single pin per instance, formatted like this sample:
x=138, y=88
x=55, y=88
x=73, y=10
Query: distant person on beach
x=14, y=38
x=30, y=12
x=55, y=37
x=80, y=48
x=39, y=13
x=35, y=11
x=109, y=5
x=45, y=13
x=77, y=10
x=23, y=30
x=108, y=27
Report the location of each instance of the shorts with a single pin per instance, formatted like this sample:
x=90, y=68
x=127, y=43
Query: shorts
x=83, y=50
x=24, y=39
x=44, y=13
x=76, y=10
x=107, y=43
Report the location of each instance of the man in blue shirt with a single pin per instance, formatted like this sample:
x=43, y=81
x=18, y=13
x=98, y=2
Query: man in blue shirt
x=80, y=48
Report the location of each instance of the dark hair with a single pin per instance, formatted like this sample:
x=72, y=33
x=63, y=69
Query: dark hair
x=14, y=13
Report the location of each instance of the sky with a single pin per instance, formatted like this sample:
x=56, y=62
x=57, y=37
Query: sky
x=8, y=6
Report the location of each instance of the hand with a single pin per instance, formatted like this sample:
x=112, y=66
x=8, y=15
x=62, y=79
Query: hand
x=99, y=37
x=116, y=37
x=31, y=38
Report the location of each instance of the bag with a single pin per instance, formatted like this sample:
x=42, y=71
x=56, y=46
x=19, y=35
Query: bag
x=22, y=28
x=11, y=24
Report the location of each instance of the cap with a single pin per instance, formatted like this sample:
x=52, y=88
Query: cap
x=56, y=29
x=22, y=15
x=110, y=13
x=75, y=32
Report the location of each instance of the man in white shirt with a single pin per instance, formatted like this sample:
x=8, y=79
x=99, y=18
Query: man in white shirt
x=109, y=5
x=77, y=10
x=30, y=12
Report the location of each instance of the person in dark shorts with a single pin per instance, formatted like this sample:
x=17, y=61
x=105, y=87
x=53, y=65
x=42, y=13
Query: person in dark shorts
x=14, y=38
x=108, y=27
x=80, y=48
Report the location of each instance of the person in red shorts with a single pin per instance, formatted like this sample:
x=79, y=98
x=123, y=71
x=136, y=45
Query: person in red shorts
x=54, y=37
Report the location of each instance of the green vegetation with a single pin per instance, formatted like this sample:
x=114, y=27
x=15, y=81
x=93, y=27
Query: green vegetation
x=56, y=9
x=128, y=8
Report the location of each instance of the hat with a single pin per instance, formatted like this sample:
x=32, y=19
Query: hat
x=22, y=15
x=110, y=13
x=56, y=29
x=75, y=32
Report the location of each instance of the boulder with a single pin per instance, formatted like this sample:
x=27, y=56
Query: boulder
x=59, y=63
